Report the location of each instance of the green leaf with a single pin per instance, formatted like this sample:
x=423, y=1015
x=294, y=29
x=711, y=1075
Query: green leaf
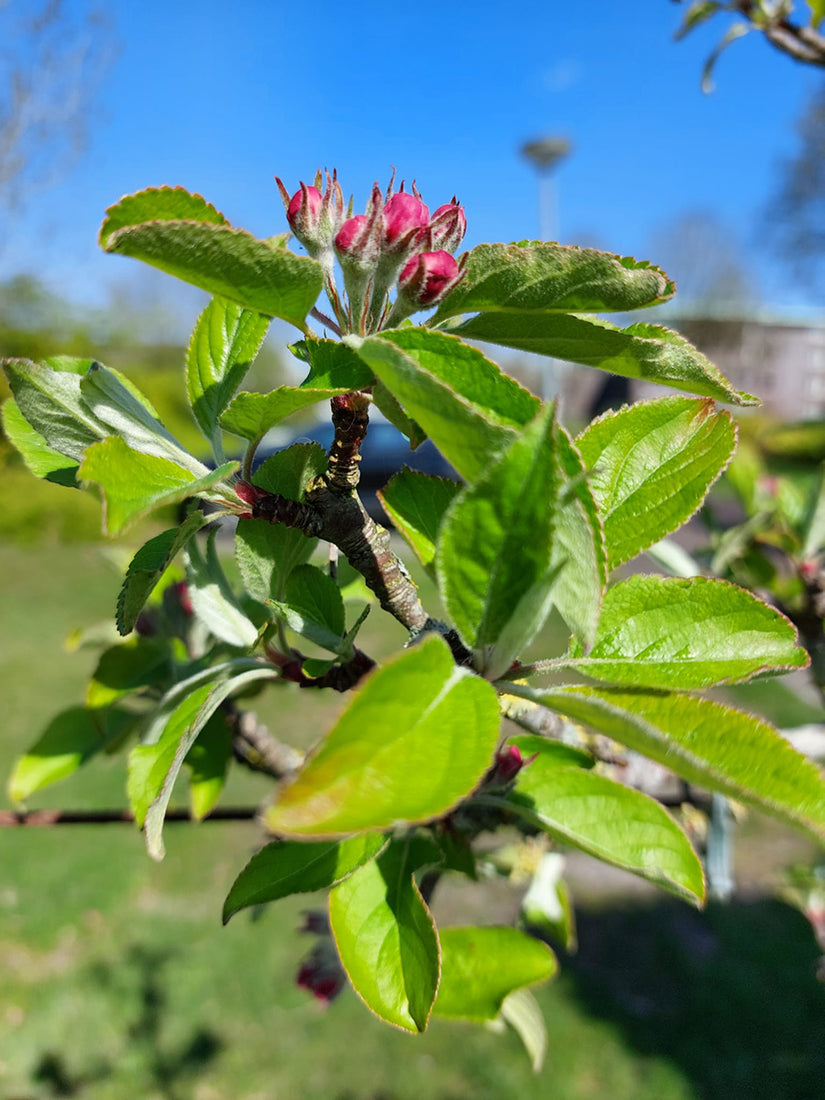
x=148, y=566
x=251, y=415
x=268, y=552
x=672, y=633
x=333, y=366
x=706, y=743
x=41, y=459
x=134, y=484
x=579, y=546
x=208, y=763
x=287, y=867
x=494, y=558
x=51, y=402
x=817, y=8
x=521, y=1011
x=313, y=606
x=389, y=407
x=154, y=768
x=614, y=823
x=124, y=668
x=482, y=966
x=387, y=940
x=416, y=504
x=647, y=352
x=158, y=204
x=538, y=276
x=415, y=740
x=223, y=346
x=208, y=253
x=69, y=740
x=128, y=416
x=651, y=467
x=736, y=30
x=813, y=531
x=213, y=601
x=698, y=12
x=557, y=751
x=460, y=399
x=468, y=372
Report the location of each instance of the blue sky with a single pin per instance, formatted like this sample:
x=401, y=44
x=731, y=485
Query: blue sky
x=220, y=97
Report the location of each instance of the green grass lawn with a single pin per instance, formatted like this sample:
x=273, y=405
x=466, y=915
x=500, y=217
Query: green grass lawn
x=118, y=981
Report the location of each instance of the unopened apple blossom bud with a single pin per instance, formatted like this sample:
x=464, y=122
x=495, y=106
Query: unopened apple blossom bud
x=404, y=217
x=428, y=278
x=351, y=236
x=321, y=973
x=306, y=220
x=448, y=226
x=508, y=764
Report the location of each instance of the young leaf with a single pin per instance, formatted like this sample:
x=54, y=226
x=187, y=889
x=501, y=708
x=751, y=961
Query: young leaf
x=416, y=504
x=558, y=752
x=521, y=1011
x=706, y=743
x=481, y=966
x=387, y=940
x=615, y=823
x=41, y=459
x=148, y=566
x=468, y=372
x=494, y=557
x=52, y=404
x=158, y=204
x=125, y=667
x=457, y=404
x=223, y=346
x=313, y=606
x=648, y=352
x=539, y=276
x=134, y=484
x=212, y=255
x=125, y=415
x=154, y=768
x=69, y=740
x=671, y=633
x=287, y=867
x=416, y=739
x=208, y=762
x=579, y=546
x=268, y=552
x=213, y=601
x=651, y=466
x=251, y=415
x=389, y=407
x=333, y=366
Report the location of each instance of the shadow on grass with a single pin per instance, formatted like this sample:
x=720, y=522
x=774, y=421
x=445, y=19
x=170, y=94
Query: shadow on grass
x=730, y=995
x=164, y=1072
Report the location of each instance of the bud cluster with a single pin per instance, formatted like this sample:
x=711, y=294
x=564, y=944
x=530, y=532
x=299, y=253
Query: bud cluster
x=395, y=243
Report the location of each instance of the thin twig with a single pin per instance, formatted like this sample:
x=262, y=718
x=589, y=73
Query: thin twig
x=13, y=818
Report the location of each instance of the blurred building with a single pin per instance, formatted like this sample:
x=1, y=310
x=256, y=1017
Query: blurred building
x=781, y=361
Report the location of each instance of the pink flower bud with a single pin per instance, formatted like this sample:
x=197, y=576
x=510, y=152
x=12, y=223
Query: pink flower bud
x=351, y=234
x=508, y=764
x=304, y=215
x=181, y=593
x=428, y=278
x=404, y=216
x=448, y=226
x=321, y=974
